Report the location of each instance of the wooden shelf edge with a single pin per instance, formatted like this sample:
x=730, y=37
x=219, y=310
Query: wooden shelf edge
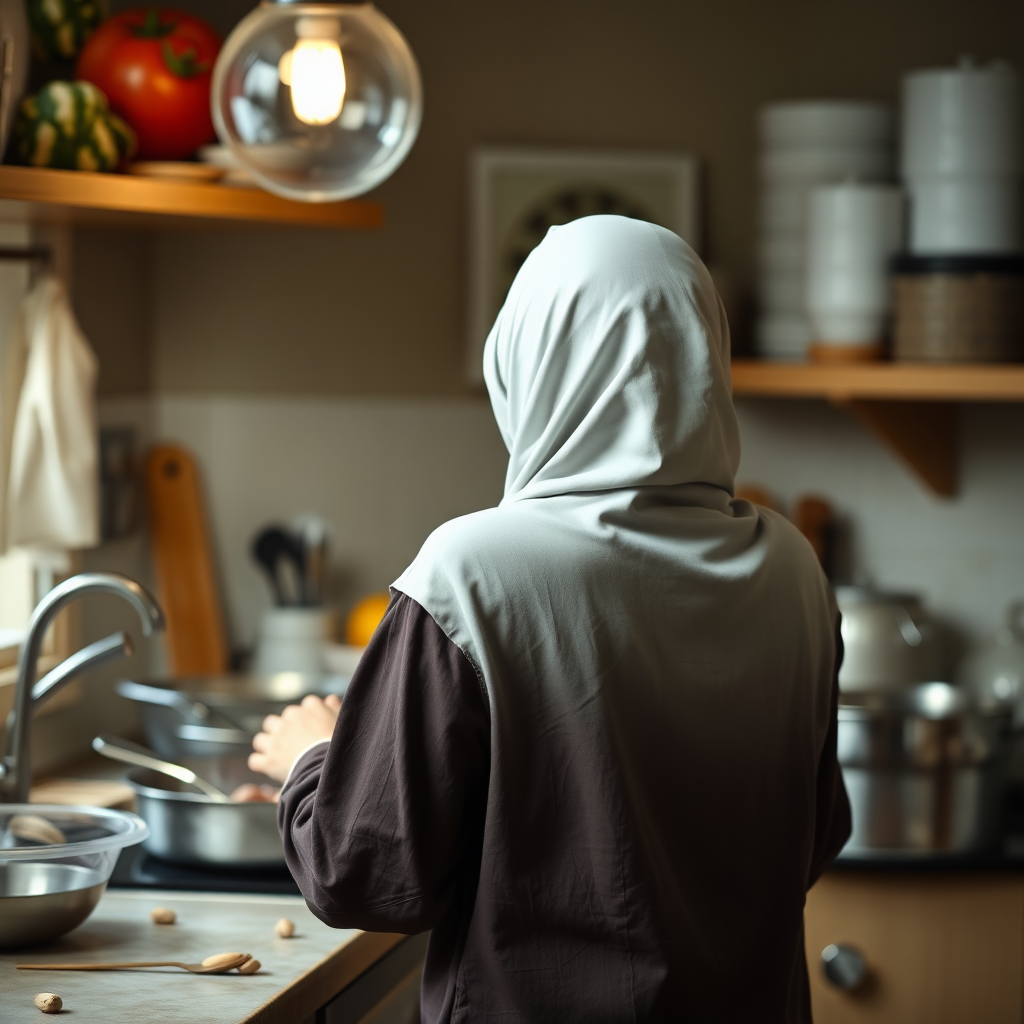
x=908, y=382
x=121, y=194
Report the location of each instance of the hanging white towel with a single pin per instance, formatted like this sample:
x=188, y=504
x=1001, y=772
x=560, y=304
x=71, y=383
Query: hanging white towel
x=53, y=482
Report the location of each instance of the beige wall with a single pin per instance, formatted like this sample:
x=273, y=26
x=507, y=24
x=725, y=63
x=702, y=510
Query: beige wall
x=382, y=313
x=112, y=292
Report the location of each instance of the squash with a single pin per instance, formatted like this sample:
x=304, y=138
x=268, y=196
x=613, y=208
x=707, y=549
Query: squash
x=69, y=125
x=60, y=27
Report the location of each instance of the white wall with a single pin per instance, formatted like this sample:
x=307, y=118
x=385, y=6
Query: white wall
x=382, y=472
x=385, y=472
x=965, y=555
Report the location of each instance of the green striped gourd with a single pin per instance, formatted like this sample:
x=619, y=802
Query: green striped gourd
x=60, y=27
x=69, y=125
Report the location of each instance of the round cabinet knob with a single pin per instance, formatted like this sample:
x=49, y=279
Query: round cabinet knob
x=844, y=967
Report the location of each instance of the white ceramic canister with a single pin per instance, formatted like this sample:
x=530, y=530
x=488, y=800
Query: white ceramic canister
x=293, y=639
x=853, y=232
x=961, y=158
x=965, y=215
x=961, y=121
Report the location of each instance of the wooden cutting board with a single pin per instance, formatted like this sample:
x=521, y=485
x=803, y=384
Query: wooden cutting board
x=186, y=581
x=84, y=793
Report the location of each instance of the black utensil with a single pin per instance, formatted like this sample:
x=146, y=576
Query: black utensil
x=311, y=534
x=269, y=547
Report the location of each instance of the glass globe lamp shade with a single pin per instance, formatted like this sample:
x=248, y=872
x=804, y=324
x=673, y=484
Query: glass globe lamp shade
x=317, y=101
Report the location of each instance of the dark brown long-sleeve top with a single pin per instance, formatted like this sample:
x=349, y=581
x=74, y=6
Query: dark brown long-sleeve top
x=394, y=826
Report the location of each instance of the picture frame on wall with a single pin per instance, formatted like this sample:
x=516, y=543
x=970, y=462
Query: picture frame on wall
x=516, y=194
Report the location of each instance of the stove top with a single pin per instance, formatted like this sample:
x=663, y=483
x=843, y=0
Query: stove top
x=136, y=869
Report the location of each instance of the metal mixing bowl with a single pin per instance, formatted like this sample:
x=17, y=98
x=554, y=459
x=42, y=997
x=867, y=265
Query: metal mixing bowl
x=46, y=890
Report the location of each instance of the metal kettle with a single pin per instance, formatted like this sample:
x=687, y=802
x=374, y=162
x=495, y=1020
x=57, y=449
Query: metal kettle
x=890, y=643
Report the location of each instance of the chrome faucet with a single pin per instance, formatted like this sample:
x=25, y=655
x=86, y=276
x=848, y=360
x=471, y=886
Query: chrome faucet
x=16, y=768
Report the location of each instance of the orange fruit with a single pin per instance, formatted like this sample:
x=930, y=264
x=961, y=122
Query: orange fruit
x=365, y=618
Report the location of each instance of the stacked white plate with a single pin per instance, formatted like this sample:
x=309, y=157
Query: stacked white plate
x=803, y=145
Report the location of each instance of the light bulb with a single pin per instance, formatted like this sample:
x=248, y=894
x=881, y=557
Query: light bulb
x=315, y=71
x=317, y=100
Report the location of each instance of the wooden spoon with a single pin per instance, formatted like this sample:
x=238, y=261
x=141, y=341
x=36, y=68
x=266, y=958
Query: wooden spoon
x=219, y=963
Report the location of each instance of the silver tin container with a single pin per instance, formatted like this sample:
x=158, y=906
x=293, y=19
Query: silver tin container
x=925, y=770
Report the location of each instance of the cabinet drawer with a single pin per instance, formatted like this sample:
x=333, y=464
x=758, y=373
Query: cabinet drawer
x=939, y=948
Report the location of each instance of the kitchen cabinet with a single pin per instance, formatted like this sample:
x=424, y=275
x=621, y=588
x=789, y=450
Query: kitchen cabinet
x=940, y=947
x=911, y=407
x=123, y=200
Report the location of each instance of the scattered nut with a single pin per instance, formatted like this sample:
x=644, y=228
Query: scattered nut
x=34, y=829
x=250, y=967
x=48, y=1002
x=163, y=915
x=284, y=928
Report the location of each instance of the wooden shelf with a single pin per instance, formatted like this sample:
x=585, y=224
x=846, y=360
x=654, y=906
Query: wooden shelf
x=910, y=407
x=28, y=193
x=894, y=382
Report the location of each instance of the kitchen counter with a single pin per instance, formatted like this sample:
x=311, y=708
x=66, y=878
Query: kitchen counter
x=299, y=975
x=1010, y=858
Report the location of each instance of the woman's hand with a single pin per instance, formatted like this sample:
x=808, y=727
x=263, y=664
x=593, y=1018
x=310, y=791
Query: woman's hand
x=287, y=735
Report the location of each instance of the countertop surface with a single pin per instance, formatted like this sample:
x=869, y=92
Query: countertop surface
x=1007, y=859
x=298, y=975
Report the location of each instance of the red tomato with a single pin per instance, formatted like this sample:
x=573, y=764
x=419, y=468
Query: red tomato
x=154, y=65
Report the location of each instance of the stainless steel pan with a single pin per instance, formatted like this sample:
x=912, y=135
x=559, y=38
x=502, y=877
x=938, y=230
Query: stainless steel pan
x=186, y=827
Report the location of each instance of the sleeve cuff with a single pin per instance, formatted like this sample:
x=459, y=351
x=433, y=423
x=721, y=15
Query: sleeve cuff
x=312, y=746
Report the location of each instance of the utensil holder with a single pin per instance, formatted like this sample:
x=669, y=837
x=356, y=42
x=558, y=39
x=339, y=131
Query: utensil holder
x=292, y=639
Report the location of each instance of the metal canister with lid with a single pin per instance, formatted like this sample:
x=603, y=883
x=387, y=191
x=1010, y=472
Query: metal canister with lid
x=959, y=308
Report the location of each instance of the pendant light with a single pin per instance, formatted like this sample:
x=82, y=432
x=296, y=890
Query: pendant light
x=318, y=101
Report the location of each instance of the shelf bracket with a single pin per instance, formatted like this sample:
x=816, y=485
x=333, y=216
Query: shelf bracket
x=923, y=435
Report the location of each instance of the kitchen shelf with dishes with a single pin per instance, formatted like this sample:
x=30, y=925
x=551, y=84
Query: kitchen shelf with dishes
x=81, y=197
x=912, y=407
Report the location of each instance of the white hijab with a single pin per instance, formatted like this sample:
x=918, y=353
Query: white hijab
x=618, y=584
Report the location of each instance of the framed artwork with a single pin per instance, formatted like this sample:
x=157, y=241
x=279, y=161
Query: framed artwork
x=517, y=194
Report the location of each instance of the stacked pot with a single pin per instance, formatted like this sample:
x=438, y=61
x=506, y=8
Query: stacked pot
x=805, y=145
x=960, y=290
